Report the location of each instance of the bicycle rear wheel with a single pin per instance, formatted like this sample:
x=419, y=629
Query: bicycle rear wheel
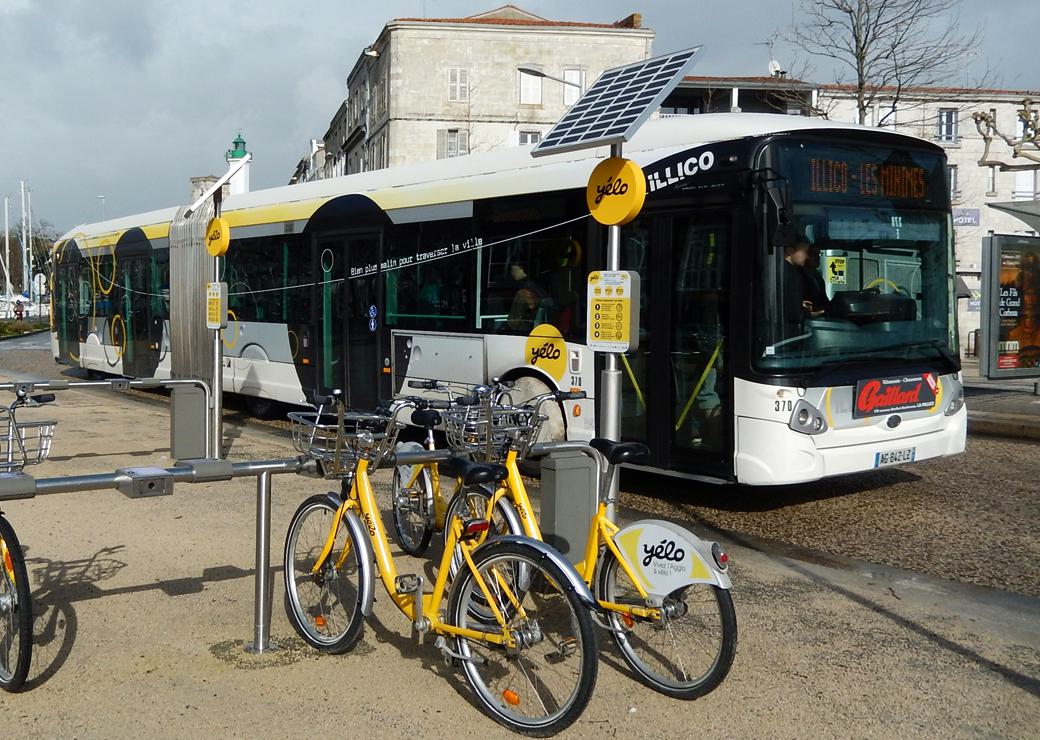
x=686, y=654
x=324, y=607
x=413, y=509
x=540, y=686
x=472, y=503
x=16, y=622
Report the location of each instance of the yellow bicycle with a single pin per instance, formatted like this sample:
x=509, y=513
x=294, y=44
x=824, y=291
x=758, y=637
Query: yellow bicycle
x=24, y=443
x=517, y=615
x=663, y=593
x=420, y=507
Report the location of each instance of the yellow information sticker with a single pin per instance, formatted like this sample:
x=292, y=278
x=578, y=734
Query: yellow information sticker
x=835, y=270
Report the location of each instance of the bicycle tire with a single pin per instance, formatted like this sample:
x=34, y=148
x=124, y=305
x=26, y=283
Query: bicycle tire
x=571, y=648
x=414, y=527
x=16, y=619
x=681, y=683
x=318, y=621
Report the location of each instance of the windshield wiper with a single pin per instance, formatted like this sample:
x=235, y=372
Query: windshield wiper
x=936, y=344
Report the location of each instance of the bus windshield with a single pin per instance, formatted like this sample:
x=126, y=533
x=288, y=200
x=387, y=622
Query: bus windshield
x=867, y=271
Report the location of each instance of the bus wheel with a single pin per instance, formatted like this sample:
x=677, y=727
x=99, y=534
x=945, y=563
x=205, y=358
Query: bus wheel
x=554, y=429
x=263, y=408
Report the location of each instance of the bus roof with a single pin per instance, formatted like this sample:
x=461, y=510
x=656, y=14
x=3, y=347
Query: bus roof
x=501, y=172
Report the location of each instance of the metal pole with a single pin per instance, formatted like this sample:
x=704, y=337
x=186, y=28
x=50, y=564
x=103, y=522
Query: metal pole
x=22, y=183
x=217, y=432
x=28, y=252
x=7, y=250
x=262, y=593
x=610, y=379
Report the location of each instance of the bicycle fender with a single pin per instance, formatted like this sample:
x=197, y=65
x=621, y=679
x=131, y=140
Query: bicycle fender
x=664, y=557
x=581, y=590
x=366, y=559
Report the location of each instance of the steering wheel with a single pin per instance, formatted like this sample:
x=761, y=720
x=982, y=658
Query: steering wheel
x=896, y=288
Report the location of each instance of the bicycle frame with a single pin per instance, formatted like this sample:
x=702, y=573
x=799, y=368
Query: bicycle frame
x=601, y=532
x=362, y=500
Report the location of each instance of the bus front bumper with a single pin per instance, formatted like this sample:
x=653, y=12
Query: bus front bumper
x=770, y=453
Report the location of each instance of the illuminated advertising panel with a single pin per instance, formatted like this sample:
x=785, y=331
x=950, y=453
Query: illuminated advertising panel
x=1011, y=307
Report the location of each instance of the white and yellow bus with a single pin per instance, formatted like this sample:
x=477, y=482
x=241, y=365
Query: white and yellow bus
x=467, y=269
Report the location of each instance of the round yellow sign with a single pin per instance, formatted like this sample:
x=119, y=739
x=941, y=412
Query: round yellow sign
x=546, y=349
x=218, y=237
x=616, y=191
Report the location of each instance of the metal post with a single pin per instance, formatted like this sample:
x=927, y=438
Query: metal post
x=217, y=432
x=262, y=594
x=610, y=379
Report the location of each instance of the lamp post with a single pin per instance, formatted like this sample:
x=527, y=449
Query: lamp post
x=535, y=71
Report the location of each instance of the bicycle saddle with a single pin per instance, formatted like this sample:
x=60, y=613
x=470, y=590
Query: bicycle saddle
x=621, y=452
x=426, y=418
x=472, y=472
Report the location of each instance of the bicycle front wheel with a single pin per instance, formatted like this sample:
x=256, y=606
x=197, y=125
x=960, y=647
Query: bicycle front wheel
x=324, y=606
x=686, y=653
x=16, y=622
x=413, y=509
x=540, y=685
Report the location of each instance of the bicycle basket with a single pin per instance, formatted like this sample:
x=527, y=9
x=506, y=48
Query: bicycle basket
x=26, y=442
x=488, y=432
x=337, y=448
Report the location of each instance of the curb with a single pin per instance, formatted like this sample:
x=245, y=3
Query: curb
x=1014, y=426
x=25, y=334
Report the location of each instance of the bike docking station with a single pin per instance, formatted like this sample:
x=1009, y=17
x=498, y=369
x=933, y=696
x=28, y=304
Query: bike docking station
x=608, y=114
x=196, y=408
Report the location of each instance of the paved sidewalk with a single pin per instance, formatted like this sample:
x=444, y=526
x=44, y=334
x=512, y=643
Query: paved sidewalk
x=143, y=607
x=1001, y=408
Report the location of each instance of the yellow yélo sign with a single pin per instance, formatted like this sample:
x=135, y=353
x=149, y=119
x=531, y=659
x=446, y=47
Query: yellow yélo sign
x=218, y=237
x=616, y=191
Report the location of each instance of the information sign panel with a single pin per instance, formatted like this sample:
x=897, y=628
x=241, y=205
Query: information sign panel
x=216, y=305
x=613, y=311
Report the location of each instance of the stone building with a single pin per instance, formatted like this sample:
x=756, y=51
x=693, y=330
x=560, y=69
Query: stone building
x=431, y=88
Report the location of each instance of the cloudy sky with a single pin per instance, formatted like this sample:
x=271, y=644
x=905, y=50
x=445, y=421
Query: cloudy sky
x=130, y=99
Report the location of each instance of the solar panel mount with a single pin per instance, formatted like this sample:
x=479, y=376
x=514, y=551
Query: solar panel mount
x=617, y=104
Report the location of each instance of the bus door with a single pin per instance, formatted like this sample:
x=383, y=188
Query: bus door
x=676, y=397
x=143, y=342
x=348, y=316
x=68, y=311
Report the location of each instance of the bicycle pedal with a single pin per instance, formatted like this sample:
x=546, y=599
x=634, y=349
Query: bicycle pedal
x=408, y=583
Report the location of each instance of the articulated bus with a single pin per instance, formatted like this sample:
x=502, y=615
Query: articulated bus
x=751, y=367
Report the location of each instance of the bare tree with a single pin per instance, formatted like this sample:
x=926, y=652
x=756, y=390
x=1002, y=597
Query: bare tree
x=1025, y=143
x=883, y=49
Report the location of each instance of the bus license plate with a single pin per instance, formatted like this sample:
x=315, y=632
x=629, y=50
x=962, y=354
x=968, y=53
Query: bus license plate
x=894, y=457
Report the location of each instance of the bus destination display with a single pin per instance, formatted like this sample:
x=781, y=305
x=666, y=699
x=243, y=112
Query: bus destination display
x=864, y=174
x=867, y=179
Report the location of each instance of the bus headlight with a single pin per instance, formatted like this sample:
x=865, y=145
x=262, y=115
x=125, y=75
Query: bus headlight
x=807, y=419
x=956, y=402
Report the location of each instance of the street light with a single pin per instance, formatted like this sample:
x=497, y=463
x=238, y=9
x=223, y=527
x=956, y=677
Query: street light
x=535, y=71
x=370, y=51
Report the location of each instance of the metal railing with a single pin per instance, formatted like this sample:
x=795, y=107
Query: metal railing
x=145, y=482
x=122, y=384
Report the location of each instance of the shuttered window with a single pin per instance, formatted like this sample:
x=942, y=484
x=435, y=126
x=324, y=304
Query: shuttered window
x=458, y=85
x=452, y=142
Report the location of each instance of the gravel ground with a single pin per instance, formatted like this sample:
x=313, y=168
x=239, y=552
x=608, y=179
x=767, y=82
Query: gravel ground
x=971, y=518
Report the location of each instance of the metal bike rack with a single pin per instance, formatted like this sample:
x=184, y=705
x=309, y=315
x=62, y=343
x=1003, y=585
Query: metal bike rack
x=154, y=481
x=123, y=384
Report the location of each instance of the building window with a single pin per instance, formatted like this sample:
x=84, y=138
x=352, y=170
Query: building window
x=991, y=181
x=1025, y=185
x=575, y=76
x=458, y=85
x=452, y=142
x=954, y=188
x=530, y=89
x=947, y=130
x=530, y=137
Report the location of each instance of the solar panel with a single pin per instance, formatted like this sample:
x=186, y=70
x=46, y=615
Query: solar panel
x=617, y=104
